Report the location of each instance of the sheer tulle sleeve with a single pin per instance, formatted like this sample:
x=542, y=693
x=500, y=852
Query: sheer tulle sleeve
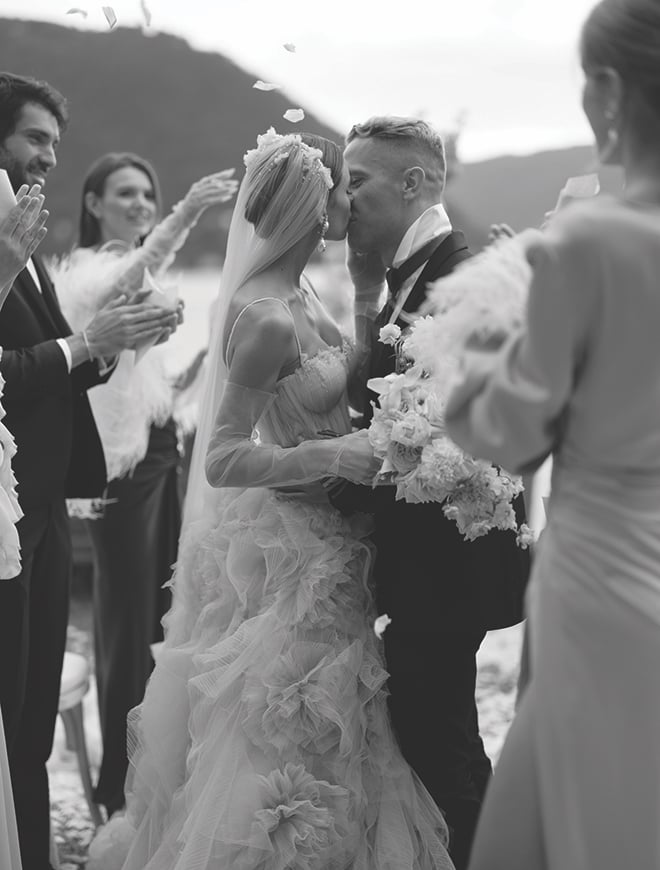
x=236, y=457
x=159, y=249
x=508, y=403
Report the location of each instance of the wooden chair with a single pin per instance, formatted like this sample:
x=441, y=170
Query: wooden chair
x=74, y=686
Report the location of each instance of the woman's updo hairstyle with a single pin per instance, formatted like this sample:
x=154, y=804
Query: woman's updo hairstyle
x=285, y=171
x=625, y=36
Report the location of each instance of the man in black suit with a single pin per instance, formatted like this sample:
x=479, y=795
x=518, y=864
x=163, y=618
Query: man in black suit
x=441, y=592
x=47, y=371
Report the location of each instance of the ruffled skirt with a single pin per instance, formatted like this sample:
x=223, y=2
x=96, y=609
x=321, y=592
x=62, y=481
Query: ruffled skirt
x=263, y=740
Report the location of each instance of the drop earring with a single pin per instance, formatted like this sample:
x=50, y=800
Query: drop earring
x=609, y=148
x=325, y=226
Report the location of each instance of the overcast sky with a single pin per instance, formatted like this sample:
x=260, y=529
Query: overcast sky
x=510, y=67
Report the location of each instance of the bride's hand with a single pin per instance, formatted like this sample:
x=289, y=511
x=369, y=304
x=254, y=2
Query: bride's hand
x=355, y=460
x=211, y=190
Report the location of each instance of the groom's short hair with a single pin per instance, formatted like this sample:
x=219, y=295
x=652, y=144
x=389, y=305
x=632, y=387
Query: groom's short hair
x=413, y=132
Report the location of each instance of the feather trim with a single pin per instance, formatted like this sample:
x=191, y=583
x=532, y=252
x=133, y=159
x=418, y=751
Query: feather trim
x=136, y=395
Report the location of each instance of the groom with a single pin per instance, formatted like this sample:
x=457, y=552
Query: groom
x=441, y=592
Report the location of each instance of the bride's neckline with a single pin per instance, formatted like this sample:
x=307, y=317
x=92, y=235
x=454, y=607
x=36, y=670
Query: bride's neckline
x=307, y=358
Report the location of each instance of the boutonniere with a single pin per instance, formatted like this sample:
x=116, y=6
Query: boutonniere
x=391, y=334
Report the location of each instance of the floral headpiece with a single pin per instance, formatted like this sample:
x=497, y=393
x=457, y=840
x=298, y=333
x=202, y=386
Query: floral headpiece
x=312, y=157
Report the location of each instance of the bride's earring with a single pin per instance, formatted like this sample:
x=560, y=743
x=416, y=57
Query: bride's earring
x=325, y=226
x=610, y=147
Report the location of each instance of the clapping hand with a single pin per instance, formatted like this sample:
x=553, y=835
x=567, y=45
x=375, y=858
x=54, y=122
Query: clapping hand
x=21, y=232
x=211, y=190
x=123, y=324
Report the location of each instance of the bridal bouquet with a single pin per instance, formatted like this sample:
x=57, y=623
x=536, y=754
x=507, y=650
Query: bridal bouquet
x=407, y=430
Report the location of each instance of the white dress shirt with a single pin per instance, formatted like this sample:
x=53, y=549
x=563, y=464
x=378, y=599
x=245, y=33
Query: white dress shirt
x=434, y=223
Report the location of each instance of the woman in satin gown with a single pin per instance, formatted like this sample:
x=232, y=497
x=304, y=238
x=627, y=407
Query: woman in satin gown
x=263, y=742
x=578, y=784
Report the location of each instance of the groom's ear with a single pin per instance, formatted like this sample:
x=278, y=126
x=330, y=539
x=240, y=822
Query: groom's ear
x=413, y=181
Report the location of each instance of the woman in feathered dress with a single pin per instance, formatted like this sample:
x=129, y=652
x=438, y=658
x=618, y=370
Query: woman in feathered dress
x=140, y=415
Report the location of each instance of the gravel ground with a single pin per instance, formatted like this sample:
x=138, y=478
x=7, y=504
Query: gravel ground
x=72, y=826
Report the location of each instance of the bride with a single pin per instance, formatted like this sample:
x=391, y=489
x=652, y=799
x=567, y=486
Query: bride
x=263, y=739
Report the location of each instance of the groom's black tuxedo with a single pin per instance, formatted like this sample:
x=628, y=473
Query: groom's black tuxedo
x=442, y=594
x=59, y=455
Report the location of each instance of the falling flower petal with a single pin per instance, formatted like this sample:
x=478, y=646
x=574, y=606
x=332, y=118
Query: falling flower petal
x=293, y=115
x=381, y=624
x=582, y=186
x=146, y=12
x=76, y=11
x=290, y=47
x=265, y=86
x=110, y=16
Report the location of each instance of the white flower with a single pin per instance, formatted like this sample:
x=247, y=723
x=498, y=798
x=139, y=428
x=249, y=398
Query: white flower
x=389, y=334
x=402, y=458
x=326, y=175
x=412, y=430
x=525, y=537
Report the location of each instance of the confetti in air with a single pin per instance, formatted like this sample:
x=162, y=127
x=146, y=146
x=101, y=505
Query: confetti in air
x=265, y=86
x=75, y=11
x=110, y=16
x=290, y=47
x=381, y=624
x=293, y=115
x=146, y=13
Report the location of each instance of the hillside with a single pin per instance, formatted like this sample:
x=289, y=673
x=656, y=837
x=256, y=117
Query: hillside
x=517, y=190
x=193, y=112
x=189, y=112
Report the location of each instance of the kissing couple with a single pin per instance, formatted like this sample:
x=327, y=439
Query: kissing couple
x=277, y=731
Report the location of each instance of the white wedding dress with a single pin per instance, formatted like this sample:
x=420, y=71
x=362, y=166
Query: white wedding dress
x=263, y=740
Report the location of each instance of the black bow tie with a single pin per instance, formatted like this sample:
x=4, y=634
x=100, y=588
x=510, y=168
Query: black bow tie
x=396, y=277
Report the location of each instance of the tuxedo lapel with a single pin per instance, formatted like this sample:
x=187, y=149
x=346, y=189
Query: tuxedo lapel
x=50, y=298
x=444, y=259
x=36, y=302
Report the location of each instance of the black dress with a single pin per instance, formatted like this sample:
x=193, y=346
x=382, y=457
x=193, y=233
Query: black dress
x=135, y=545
